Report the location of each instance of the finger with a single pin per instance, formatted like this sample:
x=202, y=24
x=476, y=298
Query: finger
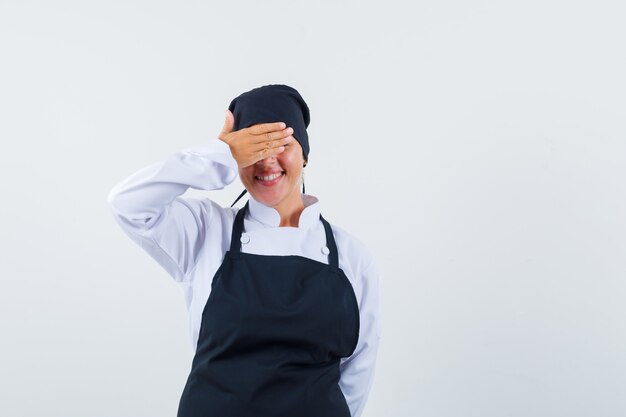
x=271, y=136
x=272, y=144
x=266, y=152
x=229, y=122
x=266, y=127
x=278, y=150
x=274, y=151
x=285, y=141
x=262, y=154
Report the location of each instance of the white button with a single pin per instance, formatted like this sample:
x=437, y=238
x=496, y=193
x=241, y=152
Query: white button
x=244, y=238
x=325, y=250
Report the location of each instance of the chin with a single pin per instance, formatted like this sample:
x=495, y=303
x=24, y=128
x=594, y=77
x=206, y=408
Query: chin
x=269, y=199
x=270, y=196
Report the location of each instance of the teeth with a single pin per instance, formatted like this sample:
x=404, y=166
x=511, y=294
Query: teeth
x=270, y=177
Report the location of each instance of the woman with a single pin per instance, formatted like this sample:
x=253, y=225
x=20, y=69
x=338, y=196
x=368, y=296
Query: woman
x=284, y=307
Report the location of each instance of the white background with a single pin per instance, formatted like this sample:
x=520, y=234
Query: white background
x=478, y=148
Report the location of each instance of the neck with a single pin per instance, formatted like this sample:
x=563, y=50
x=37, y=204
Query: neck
x=290, y=210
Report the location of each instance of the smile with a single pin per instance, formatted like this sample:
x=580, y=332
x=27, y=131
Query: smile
x=270, y=179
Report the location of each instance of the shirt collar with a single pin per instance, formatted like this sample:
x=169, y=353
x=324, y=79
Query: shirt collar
x=270, y=217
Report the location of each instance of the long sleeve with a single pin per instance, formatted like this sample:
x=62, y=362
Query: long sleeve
x=149, y=208
x=357, y=371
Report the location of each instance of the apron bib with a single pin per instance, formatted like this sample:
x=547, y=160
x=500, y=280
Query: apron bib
x=272, y=333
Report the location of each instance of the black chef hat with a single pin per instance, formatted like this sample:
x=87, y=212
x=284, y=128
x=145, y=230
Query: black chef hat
x=273, y=103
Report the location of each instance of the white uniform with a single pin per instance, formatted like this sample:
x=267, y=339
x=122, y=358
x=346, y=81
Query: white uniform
x=189, y=236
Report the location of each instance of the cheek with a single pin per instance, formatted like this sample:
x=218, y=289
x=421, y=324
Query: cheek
x=246, y=173
x=290, y=159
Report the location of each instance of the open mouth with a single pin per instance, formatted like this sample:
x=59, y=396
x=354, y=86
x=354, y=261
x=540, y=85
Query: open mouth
x=270, y=179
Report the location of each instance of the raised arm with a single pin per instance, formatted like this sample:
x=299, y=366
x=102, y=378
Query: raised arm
x=149, y=208
x=149, y=205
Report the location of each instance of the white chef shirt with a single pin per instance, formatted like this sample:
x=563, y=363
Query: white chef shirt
x=188, y=237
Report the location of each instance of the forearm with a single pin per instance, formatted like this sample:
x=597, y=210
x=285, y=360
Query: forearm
x=141, y=197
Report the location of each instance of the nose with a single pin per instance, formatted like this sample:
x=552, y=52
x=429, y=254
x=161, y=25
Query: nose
x=267, y=160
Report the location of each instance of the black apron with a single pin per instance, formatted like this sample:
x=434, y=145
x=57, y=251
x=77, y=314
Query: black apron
x=272, y=333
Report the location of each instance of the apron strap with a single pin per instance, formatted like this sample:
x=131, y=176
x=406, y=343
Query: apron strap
x=333, y=256
x=240, y=195
x=235, y=240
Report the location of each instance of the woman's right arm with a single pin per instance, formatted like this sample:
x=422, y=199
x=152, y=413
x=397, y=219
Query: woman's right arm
x=149, y=208
x=148, y=205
